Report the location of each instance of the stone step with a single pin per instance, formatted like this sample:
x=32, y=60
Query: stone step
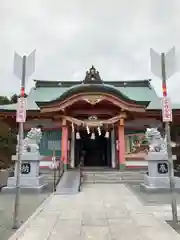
x=110, y=178
x=106, y=176
x=113, y=177
x=115, y=173
x=111, y=181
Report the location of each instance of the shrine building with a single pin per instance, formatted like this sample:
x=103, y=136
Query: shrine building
x=102, y=121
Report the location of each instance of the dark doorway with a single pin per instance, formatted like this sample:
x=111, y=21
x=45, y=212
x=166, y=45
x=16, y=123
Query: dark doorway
x=95, y=152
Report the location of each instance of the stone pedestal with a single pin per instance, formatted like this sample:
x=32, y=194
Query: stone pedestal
x=30, y=180
x=157, y=178
x=4, y=174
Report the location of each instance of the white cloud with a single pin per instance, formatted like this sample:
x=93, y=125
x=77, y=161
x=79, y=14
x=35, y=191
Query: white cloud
x=72, y=35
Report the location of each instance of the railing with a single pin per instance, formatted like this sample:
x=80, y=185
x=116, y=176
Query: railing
x=58, y=170
x=81, y=174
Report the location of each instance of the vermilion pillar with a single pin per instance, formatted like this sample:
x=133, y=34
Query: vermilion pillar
x=121, y=140
x=64, y=145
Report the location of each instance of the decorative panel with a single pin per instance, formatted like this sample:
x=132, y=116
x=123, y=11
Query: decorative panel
x=135, y=141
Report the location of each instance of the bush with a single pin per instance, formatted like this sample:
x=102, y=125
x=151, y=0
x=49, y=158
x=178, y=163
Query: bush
x=8, y=141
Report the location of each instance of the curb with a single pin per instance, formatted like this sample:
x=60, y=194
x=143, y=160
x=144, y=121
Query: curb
x=26, y=224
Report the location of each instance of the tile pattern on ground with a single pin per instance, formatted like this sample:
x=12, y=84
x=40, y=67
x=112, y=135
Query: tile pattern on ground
x=103, y=212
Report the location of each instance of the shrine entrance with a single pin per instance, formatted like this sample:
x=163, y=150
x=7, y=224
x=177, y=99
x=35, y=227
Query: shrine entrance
x=87, y=113
x=93, y=149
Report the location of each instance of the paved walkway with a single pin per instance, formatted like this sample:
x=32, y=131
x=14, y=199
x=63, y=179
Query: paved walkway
x=100, y=212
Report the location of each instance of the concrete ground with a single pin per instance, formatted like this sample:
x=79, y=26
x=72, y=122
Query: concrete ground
x=29, y=203
x=100, y=212
x=152, y=198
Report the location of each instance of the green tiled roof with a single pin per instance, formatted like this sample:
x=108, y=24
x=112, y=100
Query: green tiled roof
x=9, y=107
x=156, y=105
x=37, y=95
x=45, y=91
x=139, y=93
x=95, y=88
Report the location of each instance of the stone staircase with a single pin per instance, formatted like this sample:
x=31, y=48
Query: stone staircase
x=98, y=175
x=113, y=176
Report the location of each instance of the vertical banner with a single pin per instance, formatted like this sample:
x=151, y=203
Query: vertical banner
x=166, y=110
x=21, y=110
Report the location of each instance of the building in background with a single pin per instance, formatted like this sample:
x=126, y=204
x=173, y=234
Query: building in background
x=102, y=121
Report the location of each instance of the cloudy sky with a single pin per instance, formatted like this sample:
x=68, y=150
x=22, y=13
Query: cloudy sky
x=70, y=36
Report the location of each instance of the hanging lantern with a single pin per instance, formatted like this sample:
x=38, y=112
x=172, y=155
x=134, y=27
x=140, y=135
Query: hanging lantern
x=88, y=131
x=107, y=134
x=78, y=135
x=93, y=136
x=99, y=131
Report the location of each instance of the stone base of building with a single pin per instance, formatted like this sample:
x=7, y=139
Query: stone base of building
x=158, y=184
x=27, y=184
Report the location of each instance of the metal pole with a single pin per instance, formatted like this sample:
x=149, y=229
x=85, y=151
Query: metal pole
x=169, y=147
x=54, y=170
x=20, y=147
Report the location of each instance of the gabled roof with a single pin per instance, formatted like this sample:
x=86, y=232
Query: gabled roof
x=93, y=88
x=46, y=91
x=136, y=93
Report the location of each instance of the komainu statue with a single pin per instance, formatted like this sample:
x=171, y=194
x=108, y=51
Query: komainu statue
x=156, y=142
x=31, y=142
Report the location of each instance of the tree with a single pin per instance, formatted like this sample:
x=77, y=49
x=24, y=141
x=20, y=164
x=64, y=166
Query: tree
x=15, y=97
x=4, y=100
x=8, y=141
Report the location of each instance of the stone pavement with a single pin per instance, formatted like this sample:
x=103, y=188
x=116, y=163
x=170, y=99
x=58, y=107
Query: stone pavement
x=29, y=204
x=100, y=212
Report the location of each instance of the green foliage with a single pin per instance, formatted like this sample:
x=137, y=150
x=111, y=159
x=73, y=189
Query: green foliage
x=8, y=142
x=4, y=100
x=8, y=139
x=13, y=99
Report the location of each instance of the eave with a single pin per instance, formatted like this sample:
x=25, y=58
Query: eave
x=61, y=106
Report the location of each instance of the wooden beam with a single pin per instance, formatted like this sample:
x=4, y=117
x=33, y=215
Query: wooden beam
x=92, y=112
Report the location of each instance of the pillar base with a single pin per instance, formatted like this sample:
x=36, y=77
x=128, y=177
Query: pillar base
x=122, y=167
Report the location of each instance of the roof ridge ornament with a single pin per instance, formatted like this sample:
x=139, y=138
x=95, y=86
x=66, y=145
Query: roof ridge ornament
x=92, y=76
